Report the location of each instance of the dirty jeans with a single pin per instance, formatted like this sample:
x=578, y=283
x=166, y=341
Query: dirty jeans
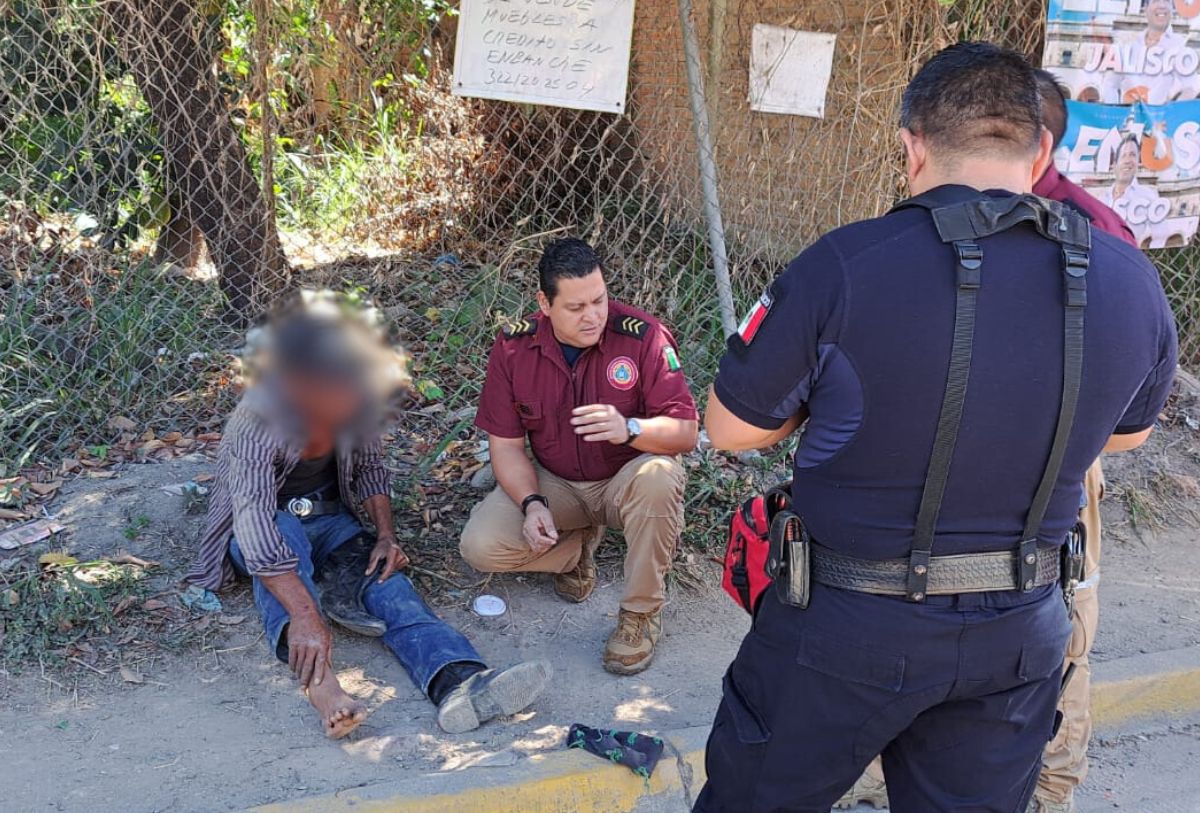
x=422, y=642
x=644, y=499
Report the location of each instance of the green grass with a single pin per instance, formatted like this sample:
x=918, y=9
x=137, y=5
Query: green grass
x=136, y=527
x=43, y=611
x=75, y=351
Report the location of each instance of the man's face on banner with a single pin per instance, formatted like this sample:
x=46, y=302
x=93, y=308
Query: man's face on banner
x=1128, y=162
x=1158, y=14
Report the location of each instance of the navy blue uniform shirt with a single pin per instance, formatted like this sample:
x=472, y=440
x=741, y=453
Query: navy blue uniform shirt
x=859, y=330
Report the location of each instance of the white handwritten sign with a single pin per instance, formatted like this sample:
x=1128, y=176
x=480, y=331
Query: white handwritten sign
x=569, y=53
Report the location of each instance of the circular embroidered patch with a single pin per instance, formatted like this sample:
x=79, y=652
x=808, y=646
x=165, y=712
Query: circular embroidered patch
x=622, y=373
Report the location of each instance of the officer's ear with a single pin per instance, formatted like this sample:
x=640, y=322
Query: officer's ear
x=543, y=302
x=1045, y=155
x=916, y=154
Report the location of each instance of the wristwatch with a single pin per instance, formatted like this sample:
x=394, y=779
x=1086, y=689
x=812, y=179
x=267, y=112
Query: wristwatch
x=532, y=498
x=634, y=428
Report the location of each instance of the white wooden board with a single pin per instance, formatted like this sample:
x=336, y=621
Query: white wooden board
x=569, y=53
x=789, y=70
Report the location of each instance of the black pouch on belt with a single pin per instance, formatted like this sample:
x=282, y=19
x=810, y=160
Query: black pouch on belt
x=789, y=564
x=1073, y=555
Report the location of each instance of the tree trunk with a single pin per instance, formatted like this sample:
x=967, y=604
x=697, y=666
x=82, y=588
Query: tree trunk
x=208, y=166
x=180, y=243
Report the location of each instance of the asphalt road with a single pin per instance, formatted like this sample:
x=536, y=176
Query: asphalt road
x=1154, y=771
x=1157, y=771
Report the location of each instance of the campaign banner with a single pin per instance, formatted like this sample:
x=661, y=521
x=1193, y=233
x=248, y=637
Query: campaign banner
x=1132, y=71
x=1143, y=161
x=1125, y=51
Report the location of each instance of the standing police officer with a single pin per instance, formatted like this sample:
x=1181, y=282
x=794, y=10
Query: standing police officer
x=963, y=361
x=1064, y=762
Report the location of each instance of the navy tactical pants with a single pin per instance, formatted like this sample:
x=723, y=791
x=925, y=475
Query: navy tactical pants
x=958, y=694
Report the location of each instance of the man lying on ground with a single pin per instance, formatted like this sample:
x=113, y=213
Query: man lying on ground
x=299, y=464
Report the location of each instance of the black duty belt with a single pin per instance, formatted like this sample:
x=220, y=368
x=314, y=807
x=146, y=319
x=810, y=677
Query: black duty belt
x=304, y=507
x=964, y=573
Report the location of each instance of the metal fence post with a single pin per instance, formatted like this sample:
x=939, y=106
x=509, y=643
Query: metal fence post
x=708, y=167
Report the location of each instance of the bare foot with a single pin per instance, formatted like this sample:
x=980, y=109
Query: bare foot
x=339, y=712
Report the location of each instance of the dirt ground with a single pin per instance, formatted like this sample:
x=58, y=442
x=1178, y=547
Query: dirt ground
x=217, y=724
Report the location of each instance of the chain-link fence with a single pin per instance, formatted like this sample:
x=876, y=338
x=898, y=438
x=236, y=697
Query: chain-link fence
x=169, y=167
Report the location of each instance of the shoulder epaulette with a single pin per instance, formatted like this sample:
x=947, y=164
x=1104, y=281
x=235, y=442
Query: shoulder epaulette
x=521, y=327
x=630, y=326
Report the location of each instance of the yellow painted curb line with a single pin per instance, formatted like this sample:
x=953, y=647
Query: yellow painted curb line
x=562, y=782
x=1169, y=693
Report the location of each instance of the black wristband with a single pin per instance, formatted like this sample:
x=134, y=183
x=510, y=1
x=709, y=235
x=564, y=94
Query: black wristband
x=532, y=498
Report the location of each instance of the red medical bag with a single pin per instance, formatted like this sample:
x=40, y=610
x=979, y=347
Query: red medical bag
x=749, y=546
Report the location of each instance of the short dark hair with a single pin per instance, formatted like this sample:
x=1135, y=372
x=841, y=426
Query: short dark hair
x=976, y=98
x=1054, y=104
x=569, y=257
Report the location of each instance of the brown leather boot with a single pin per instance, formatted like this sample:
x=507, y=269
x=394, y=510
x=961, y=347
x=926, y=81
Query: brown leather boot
x=630, y=648
x=578, y=583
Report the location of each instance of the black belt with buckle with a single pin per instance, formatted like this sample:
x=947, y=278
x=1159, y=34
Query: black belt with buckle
x=948, y=575
x=304, y=507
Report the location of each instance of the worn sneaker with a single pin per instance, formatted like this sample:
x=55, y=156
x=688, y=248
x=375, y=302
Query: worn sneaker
x=577, y=584
x=1045, y=806
x=342, y=585
x=867, y=790
x=631, y=646
x=493, y=693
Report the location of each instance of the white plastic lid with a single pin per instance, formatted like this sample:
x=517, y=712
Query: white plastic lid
x=489, y=606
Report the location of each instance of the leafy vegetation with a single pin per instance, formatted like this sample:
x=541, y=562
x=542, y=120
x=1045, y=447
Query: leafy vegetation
x=112, y=341
x=46, y=608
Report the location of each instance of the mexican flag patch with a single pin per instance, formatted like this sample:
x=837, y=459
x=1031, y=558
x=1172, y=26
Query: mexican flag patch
x=748, y=329
x=672, y=358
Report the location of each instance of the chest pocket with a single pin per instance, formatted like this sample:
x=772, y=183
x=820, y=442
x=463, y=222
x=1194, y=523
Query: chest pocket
x=540, y=424
x=531, y=414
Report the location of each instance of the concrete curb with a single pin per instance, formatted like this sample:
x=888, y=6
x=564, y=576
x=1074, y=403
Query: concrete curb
x=1143, y=688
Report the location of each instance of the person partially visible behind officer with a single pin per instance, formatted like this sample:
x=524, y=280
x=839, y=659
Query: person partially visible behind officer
x=963, y=360
x=598, y=389
x=1064, y=762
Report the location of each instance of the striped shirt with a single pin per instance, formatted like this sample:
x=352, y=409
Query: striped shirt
x=254, y=459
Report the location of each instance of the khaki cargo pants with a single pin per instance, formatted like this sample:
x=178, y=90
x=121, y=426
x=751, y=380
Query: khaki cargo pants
x=1064, y=764
x=644, y=499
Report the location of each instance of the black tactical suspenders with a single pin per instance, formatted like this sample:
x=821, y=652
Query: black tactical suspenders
x=961, y=225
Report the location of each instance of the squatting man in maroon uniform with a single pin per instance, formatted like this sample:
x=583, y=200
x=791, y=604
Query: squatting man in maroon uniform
x=597, y=390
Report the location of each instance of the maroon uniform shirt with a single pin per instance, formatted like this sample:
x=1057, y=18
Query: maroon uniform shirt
x=1056, y=187
x=530, y=389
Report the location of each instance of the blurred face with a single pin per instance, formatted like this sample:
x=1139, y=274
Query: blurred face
x=324, y=404
x=1127, y=162
x=1158, y=14
x=579, y=310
